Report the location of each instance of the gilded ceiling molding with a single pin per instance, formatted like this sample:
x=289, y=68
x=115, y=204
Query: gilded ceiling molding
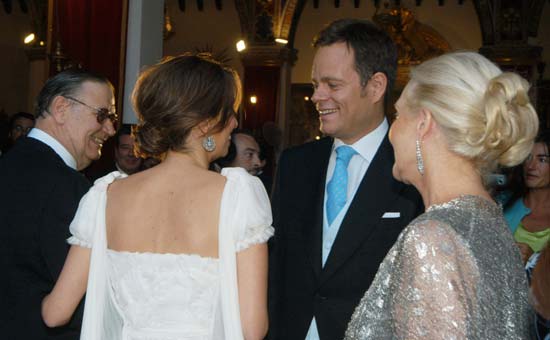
x=245, y=10
x=285, y=19
x=508, y=21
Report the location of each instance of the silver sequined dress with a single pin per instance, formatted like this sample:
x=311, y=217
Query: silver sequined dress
x=454, y=273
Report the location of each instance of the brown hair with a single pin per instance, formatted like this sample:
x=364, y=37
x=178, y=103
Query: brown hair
x=175, y=95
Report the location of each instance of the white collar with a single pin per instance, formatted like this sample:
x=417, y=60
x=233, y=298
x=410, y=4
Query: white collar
x=369, y=143
x=59, y=149
x=119, y=169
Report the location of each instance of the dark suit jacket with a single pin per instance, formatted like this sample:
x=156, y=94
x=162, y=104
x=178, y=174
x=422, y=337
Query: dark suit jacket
x=38, y=199
x=299, y=288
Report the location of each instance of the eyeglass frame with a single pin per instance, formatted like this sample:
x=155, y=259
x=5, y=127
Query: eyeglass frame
x=101, y=114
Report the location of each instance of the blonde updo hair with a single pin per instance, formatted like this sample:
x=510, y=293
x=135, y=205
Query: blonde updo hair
x=485, y=114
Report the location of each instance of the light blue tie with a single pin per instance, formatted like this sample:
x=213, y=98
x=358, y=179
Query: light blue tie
x=338, y=185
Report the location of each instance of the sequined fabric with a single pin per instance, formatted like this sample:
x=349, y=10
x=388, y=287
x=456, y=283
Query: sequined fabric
x=454, y=273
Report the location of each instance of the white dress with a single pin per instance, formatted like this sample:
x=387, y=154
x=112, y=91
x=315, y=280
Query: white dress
x=139, y=296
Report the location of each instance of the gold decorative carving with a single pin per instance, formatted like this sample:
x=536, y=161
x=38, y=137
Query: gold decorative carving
x=285, y=22
x=416, y=42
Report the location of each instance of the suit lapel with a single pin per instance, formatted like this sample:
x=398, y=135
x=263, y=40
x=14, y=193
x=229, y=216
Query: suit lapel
x=374, y=194
x=317, y=167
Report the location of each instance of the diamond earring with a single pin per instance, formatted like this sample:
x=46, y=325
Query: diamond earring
x=419, y=160
x=209, y=144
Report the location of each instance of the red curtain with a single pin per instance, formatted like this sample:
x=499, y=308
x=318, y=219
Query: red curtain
x=90, y=34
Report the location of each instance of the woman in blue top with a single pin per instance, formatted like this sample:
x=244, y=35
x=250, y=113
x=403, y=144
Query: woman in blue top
x=528, y=210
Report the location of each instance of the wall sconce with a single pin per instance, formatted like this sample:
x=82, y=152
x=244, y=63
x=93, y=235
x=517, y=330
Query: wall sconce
x=241, y=46
x=306, y=98
x=253, y=99
x=29, y=39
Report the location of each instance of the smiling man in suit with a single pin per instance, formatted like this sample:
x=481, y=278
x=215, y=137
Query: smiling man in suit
x=41, y=189
x=337, y=209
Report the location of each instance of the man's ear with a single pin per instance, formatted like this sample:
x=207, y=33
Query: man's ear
x=59, y=109
x=376, y=87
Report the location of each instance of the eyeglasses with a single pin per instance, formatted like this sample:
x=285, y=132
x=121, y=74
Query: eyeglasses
x=101, y=114
x=543, y=159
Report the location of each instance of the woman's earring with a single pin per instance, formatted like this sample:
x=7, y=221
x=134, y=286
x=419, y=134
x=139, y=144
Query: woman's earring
x=209, y=144
x=419, y=160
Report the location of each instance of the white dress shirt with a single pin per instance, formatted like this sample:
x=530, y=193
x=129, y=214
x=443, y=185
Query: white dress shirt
x=366, y=148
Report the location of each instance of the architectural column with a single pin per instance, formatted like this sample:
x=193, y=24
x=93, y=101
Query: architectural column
x=144, y=45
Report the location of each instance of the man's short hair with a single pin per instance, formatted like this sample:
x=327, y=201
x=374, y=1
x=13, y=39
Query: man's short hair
x=65, y=83
x=125, y=129
x=21, y=114
x=374, y=50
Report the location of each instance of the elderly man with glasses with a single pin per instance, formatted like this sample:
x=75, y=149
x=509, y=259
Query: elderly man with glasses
x=41, y=187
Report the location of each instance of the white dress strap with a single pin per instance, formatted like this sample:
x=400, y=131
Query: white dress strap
x=101, y=319
x=229, y=293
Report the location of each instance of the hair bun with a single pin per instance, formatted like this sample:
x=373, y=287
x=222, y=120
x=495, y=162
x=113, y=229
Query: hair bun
x=511, y=121
x=149, y=139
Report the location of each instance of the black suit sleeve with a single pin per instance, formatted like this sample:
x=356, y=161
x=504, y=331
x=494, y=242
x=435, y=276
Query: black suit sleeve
x=276, y=251
x=58, y=213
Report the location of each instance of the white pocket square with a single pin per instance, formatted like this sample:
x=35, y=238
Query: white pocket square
x=391, y=215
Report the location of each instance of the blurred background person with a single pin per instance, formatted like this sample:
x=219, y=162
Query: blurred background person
x=20, y=125
x=455, y=271
x=528, y=209
x=125, y=161
x=244, y=152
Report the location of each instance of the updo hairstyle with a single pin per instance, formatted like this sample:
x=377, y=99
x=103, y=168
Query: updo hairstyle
x=485, y=114
x=175, y=95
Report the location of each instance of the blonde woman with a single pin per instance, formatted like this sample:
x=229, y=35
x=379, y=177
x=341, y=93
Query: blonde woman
x=455, y=271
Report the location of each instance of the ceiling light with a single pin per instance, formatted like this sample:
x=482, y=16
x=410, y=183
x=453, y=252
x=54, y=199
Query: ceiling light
x=253, y=99
x=281, y=41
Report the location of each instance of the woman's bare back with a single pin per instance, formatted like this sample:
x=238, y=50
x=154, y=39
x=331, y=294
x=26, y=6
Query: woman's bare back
x=165, y=210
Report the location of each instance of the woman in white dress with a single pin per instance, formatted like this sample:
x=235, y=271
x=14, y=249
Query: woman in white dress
x=176, y=251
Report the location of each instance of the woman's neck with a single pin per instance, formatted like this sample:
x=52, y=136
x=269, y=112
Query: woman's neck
x=186, y=159
x=451, y=179
x=537, y=198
